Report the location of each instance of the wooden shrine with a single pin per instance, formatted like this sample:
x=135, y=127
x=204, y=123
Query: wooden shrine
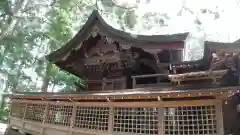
x=110, y=56
x=134, y=85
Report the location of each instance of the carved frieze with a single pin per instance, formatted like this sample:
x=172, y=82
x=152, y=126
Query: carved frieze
x=102, y=47
x=95, y=31
x=109, y=40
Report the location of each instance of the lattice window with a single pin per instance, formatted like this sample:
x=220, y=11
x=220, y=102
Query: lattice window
x=17, y=110
x=35, y=112
x=190, y=120
x=92, y=118
x=59, y=114
x=136, y=120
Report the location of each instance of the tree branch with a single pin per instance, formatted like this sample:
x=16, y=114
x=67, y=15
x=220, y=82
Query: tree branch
x=22, y=5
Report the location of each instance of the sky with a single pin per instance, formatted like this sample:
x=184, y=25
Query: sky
x=224, y=29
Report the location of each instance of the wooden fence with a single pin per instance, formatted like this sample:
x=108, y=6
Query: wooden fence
x=195, y=117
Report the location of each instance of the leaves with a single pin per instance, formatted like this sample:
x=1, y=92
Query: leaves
x=130, y=19
x=35, y=34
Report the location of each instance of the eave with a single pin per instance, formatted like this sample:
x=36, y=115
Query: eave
x=228, y=47
x=125, y=38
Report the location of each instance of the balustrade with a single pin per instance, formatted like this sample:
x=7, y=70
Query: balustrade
x=152, y=118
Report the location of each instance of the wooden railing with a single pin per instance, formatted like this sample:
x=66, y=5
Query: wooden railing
x=142, y=85
x=213, y=76
x=106, y=84
x=152, y=118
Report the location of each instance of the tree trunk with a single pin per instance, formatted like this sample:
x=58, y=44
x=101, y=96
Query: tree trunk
x=46, y=79
x=15, y=84
x=54, y=84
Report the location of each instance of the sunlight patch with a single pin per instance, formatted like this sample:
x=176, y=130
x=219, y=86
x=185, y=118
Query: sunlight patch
x=133, y=35
x=126, y=3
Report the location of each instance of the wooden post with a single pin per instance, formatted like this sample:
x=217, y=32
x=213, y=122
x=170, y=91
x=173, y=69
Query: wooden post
x=156, y=59
x=25, y=111
x=123, y=83
x=134, y=82
x=103, y=83
x=170, y=54
x=73, y=117
x=24, y=115
x=158, y=66
x=111, y=119
x=161, y=121
x=219, y=118
x=44, y=118
x=112, y=83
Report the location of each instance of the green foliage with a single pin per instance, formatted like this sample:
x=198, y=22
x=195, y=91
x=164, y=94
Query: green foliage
x=130, y=19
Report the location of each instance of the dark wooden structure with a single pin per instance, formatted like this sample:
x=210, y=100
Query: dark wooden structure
x=135, y=84
x=110, y=56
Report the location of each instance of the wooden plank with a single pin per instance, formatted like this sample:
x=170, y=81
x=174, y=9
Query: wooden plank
x=149, y=75
x=195, y=76
x=134, y=104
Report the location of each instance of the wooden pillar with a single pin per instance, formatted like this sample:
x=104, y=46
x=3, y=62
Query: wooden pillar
x=170, y=55
x=110, y=119
x=157, y=61
x=44, y=118
x=24, y=115
x=123, y=82
x=161, y=121
x=25, y=111
x=73, y=117
x=219, y=118
x=134, y=82
x=103, y=84
x=158, y=65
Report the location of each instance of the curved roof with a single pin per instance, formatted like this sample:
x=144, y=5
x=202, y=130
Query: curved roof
x=96, y=19
x=231, y=47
